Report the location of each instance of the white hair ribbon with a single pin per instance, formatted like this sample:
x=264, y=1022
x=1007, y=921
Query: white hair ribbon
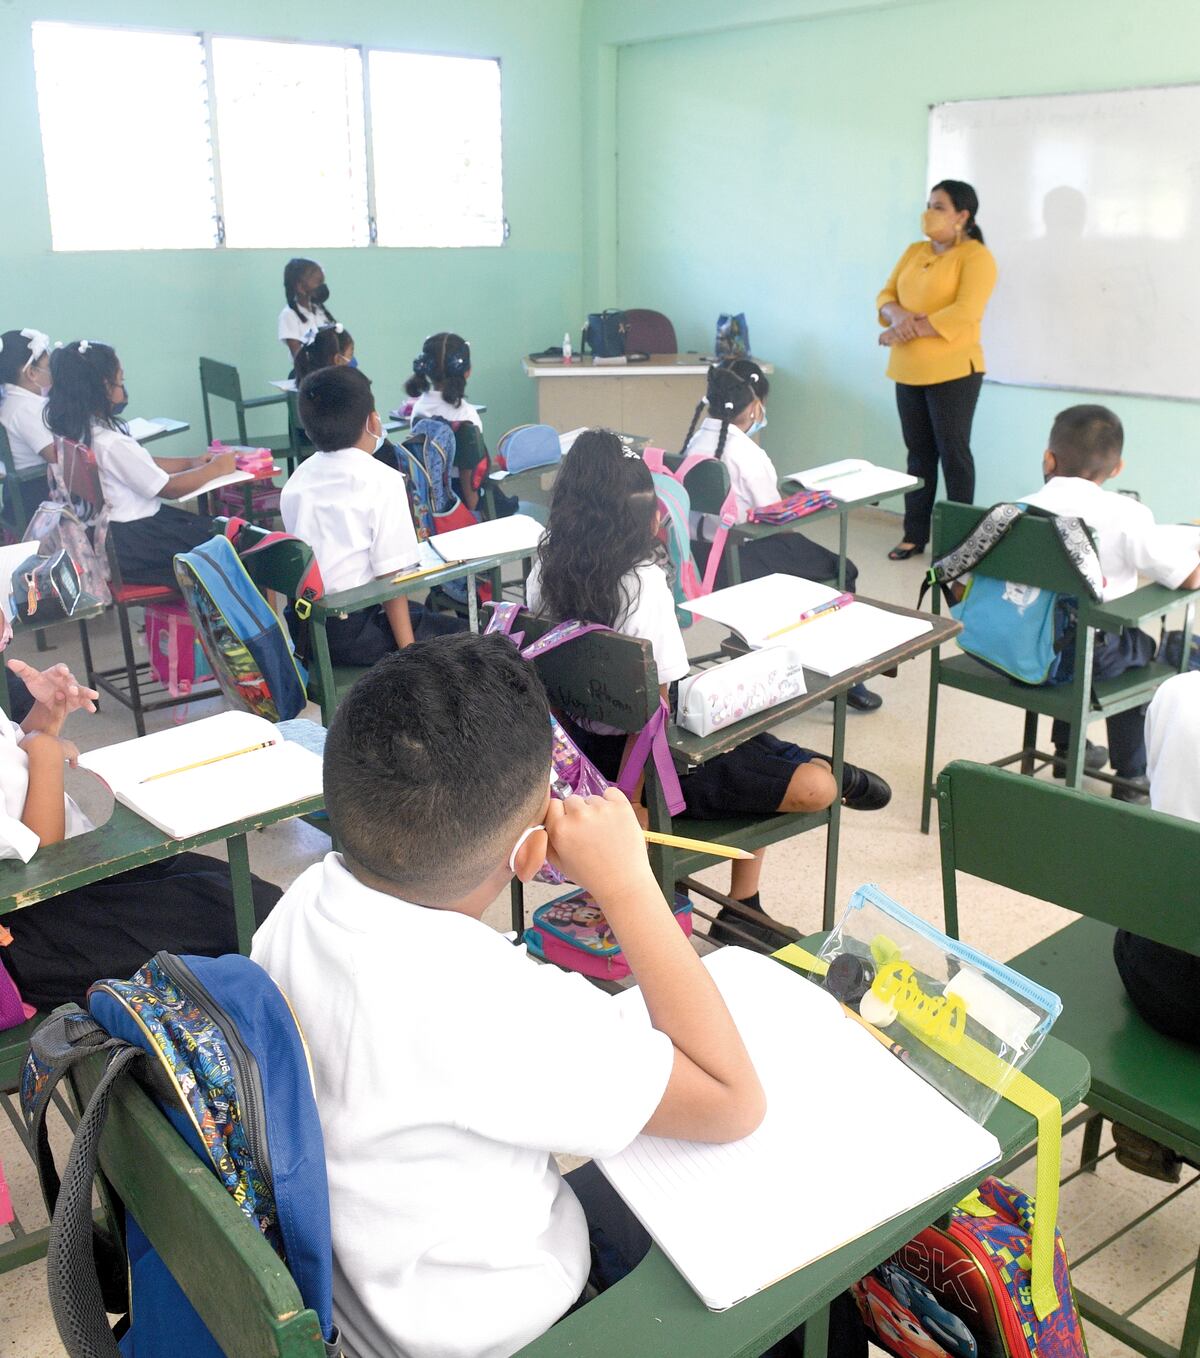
x=38, y=345
x=84, y=346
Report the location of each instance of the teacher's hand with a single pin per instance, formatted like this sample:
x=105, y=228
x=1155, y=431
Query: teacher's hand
x=890, y=336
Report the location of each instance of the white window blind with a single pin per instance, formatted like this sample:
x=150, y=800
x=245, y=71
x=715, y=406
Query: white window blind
x=125, y=138
x=292, y=143
x=436, y=148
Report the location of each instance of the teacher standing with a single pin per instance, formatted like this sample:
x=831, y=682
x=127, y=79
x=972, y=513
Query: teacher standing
x=932, y=307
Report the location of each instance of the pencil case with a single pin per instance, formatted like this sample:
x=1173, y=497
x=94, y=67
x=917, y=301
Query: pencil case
x=966, y=1023
x=717, y=697
x=572, y=933
x=797, y=506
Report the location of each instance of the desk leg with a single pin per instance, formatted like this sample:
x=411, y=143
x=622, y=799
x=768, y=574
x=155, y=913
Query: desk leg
x=472, y=605
x=843, y=540
x=835, y=813
x=816, y=1334
x=243, y=896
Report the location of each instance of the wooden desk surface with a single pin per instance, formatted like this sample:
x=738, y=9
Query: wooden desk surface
x=690, y=750
x=658, y=365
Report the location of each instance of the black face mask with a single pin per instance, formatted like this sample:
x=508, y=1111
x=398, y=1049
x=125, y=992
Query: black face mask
x=320, y=295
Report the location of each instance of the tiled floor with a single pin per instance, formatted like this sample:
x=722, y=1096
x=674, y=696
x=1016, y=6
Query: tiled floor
x=884, y=847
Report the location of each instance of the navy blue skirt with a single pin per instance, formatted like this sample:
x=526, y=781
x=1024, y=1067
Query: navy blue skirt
x=146, y=548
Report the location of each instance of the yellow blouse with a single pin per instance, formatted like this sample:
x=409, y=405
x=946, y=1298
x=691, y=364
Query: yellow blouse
x=952, y=290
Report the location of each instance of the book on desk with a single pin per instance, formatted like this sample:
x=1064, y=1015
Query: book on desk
x=852, y=478
x=776, y=608
x=852, y=1138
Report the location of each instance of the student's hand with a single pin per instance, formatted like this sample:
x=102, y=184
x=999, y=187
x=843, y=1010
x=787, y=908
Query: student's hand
x=56, y=689
x=597, y=842
x=222, y=464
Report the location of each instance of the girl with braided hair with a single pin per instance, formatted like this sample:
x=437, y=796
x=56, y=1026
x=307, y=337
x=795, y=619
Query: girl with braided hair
x=439, y=383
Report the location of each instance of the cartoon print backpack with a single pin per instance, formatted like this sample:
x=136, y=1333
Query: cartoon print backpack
x=574, y=772
x=962, y=1290
x=572, y=933
x=1020, y=630
x=216, y=1044
x=674, y=507
x=248, y=647
x=426, y=458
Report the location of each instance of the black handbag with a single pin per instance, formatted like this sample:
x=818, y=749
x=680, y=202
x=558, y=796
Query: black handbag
x=604, y=334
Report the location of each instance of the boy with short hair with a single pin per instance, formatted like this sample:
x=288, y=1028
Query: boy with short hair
x=1086, y=443
x=353, y=512
x=449, y=1065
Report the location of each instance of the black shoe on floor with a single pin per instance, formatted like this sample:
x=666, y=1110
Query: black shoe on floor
x=861, y=699
x=901, y=552
x=863, y=790
x=1136, y=795
x=1095, y=757
x=1144, y=1156
x=768, y=937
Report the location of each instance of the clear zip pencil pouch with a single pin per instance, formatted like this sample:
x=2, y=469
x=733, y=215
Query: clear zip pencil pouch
x=963, y=1021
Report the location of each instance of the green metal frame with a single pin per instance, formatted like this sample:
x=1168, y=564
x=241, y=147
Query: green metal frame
x=221, y=380
x=1121, y=867
x=1031, y=554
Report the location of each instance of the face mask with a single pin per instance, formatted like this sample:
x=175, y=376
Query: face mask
x=118, y=407
x=758, y=426
x=319, y=295
x=933, y=223
x=352, y=363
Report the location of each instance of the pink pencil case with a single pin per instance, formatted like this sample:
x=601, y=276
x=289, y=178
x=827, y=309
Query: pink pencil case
x=572, y=933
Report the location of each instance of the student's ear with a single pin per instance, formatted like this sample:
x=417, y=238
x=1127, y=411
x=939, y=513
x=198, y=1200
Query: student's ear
x=531, y=856
x=1049, y=463
x=1118, y=469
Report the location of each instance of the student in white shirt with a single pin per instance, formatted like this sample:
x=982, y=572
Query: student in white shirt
x=454, y=1234
x=54, y=950
x=328, y=346
x=597, y=563
x=1164, y=983
x=353, y=511
x=439, y=381
x=1086, y=442
x=306, y=291
x=85, y=404
x=735, y=398
x=24, y=381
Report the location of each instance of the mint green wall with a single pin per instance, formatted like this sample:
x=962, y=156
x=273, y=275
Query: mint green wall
x=162, y=309
x=779, y=169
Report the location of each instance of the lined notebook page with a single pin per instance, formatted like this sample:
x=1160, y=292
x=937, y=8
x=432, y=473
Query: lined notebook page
x=852, y=636
x=758, y=607
x=851, y=1139
x=853, y=478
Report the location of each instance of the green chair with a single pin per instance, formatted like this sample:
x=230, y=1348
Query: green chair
x=24, y=489
x=1031, y=554
x=626, y=699
x=1120, y=867
x=221, y=381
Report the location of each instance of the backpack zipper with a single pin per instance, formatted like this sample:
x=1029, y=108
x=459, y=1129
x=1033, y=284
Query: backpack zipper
x=251, y=1104
x=1002, y=1302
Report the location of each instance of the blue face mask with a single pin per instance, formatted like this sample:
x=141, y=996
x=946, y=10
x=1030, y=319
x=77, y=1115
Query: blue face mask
x=758, y=426
x=353, y=363
x=118, y=407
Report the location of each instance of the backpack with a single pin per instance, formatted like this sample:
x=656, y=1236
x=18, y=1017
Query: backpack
x=74, y=521
x=528, y=446
x=674, y=508
x=574, y=773
x=177, y=658
x=604, y=334
x=249, y=649
x=215, y=1042
x=963, y=1290
x=1019, y=630
x=572, y=933
x=426, y=457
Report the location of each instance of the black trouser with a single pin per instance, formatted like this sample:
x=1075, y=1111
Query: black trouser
x=789, y=553
x=1163, y=983
x=365, y=638
x=936, y=424
x=1112, y=654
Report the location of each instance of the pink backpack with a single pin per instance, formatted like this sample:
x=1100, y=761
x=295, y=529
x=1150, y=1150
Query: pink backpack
x=177, y=657
x=674, y=505
x=575, y=774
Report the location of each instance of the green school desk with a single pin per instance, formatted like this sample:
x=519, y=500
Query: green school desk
x=689, y=750
x=124, y=841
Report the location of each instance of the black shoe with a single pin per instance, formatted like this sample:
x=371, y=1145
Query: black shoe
x=1137, y=794
x=901, y=553
x=1094, y=759
x=763, y=933
x=1144, y=1156
x=861, y=699
x=863, y=790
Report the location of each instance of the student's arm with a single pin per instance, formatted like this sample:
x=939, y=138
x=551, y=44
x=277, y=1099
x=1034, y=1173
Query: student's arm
x=198, y=475
x=178, y=464
x=1192, y=581
x=47, y=454
x=713, y=1093
x=466, y=488
x=975, y=286
x=294, y=346
x=45, y=810
x=399, y=621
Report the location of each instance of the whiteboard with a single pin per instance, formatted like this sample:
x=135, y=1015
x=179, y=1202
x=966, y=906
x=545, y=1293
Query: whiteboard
x=1091, y=205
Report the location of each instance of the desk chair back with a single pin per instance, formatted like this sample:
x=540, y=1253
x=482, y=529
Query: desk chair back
x=22, y=489
x=649, y=332
x=221, y=381
x=1030, y=553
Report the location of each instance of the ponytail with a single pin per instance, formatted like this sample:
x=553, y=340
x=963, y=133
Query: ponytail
x=444, y=361
x=732, y=385
x=687, y=438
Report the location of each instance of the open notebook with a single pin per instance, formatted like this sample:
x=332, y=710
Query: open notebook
x=141, y=428
x=764, y=612
x=517, y=533
x=853, y=478
x=852, y=1138
x=229, y=479
x=219, y=793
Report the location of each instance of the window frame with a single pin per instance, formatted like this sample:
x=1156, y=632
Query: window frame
x=364, y=50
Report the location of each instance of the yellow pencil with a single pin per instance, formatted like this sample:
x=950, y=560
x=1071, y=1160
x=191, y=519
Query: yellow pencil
x=214, y=759
x=700, y=845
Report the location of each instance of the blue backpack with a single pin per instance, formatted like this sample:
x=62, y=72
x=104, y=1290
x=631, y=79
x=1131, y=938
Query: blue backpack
x=216, y=1043
x=1020, y=630
x=247, y=646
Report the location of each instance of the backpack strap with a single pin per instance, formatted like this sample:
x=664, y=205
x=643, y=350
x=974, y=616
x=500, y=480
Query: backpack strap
x=971, y=550
x=1080, y=547
x=651, y=744
x=655, y=459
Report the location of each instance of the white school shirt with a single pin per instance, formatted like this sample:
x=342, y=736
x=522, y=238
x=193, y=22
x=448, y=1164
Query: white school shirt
x=21, y=414
x=16, y=839
x=353, y=512
x=454, y=1236
x=752, y=475
x=430, y=406
x=293, y=327
x=1128, y=540
x=129, y=477
x=1173, y=747
x=649, y=613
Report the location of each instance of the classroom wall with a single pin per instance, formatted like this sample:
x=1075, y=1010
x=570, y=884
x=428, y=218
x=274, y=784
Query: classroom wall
x=162, y=309
x=778, y=168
